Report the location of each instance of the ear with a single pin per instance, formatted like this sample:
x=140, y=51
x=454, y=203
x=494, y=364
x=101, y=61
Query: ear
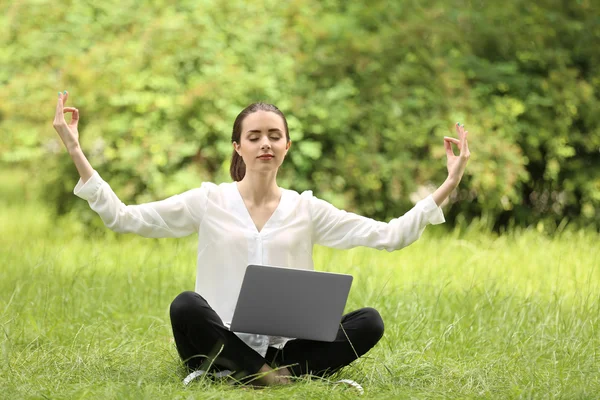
x=288, y=145
x=236, y=147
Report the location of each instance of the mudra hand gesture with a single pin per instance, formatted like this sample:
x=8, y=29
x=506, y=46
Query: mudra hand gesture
x=456, y=163
x=70, y=135
x=67, y=131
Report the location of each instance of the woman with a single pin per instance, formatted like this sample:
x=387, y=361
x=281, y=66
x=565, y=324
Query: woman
x=254, y=221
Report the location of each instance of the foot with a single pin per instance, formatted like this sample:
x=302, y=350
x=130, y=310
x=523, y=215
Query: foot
x=273, y=377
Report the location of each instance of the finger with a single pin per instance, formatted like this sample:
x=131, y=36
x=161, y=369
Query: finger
x=75, y=117
x=464, y=147
x=58, y=116
x=450, y=141
x=460, y=130
x=467, y=152
x=59, y=104
x=448, y=147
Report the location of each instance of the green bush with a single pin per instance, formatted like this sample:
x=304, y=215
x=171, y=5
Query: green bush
x=369, y=89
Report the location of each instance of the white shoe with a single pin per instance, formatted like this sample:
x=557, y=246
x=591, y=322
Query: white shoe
x=219, y=374
x=351, y=383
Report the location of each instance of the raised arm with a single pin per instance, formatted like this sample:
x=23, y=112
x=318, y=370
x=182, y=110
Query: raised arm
x=456, y=164
x=343, y=230
x=176, y=216
x=337, y=228
x=69, y=135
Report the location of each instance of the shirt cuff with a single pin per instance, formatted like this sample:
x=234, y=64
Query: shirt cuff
x=88, y=189
x=433, y=213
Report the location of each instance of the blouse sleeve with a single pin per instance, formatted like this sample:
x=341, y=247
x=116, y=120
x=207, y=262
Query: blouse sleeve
x=176, y=216
x=343, y=230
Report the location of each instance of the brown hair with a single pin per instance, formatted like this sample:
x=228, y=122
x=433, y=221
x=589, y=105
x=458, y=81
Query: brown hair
x=237, y=170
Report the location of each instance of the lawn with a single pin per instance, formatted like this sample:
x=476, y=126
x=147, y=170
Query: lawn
x=468, y=315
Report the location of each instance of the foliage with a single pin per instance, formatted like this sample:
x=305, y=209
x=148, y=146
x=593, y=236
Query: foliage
x=369, y=89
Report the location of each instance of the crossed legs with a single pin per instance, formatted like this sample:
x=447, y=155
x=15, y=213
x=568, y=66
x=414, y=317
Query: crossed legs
x=202, y=340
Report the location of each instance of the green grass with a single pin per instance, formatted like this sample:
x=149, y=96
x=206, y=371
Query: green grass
x=468, y=315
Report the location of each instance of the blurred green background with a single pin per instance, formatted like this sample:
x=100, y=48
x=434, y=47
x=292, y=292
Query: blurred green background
x=369, y=89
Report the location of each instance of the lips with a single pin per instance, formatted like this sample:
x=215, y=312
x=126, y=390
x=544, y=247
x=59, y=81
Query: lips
x=266, y=157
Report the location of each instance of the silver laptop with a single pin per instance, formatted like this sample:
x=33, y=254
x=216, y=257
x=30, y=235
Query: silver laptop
x=292, y=303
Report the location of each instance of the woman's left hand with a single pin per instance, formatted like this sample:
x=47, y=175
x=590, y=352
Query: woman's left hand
x=457, y=163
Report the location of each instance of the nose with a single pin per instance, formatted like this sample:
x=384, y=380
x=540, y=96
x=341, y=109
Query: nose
x=265, y=143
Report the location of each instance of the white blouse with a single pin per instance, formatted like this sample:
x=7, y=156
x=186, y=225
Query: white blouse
x=229, y=241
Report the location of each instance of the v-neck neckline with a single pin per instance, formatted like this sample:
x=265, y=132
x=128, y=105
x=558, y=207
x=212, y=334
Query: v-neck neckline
x=246, y=213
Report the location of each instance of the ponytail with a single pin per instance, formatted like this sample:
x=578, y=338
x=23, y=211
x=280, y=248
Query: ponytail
x=237, y=170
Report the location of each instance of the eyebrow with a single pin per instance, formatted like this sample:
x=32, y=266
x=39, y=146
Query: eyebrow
x=259, y=131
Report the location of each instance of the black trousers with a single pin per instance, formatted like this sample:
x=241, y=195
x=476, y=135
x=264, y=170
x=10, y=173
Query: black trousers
x=203, y=341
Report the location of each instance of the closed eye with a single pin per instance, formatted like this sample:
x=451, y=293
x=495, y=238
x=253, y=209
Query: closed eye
x=272, y=138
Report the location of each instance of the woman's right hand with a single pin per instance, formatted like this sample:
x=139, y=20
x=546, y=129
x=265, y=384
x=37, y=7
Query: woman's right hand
x=67, y=131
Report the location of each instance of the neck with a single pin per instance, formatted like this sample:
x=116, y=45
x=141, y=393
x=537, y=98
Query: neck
x=259, y=188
